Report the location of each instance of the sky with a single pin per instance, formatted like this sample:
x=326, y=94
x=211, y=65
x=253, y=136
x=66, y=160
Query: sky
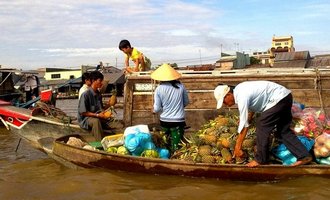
x=71, y=33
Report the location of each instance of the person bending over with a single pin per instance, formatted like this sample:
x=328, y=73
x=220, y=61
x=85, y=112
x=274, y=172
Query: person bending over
x=274, y=103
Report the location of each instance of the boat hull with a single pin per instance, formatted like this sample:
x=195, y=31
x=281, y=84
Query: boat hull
x=101, y=159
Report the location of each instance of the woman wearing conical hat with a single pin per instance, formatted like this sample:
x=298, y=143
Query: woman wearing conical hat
x=170, y=99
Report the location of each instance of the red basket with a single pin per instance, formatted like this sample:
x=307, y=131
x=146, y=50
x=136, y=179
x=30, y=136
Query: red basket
x=46, y=95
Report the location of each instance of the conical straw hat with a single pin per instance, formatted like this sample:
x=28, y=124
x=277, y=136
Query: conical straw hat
x=165, y=73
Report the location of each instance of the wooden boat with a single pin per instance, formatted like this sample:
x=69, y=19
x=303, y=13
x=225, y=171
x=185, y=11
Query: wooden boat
x=76, y=157
x=20, y=121
x=310, y=87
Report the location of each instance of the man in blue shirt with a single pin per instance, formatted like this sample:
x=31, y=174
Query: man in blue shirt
x=274, y=102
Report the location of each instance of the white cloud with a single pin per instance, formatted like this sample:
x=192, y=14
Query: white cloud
x=76, y=32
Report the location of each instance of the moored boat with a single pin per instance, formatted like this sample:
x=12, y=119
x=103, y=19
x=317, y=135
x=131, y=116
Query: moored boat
x=20, y=121
x=75, y=156
x=310, y=87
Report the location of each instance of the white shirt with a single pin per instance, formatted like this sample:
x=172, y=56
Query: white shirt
x=257, y=96
x=83, y=89
x=31, y=83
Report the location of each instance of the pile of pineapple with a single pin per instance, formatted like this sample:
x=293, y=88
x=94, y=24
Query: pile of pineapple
x=215, y=142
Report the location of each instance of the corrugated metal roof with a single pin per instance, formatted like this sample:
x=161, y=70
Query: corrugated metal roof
x=115, y=78
x=320, y=62
x=291, y=64
x=296, y=55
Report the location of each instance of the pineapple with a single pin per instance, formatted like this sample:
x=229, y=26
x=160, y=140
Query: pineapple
x=113, y=98
x=210, y=139
x=233, y=129
x=226, y=135
x=222, y=121
x=248, y=143
x=208, y=159
x=225, y=142
x=219, y=144
x=226, y=155
x=204, y=150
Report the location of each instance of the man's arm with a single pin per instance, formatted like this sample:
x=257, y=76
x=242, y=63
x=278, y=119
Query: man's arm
x=95, y=115
x=238, y=146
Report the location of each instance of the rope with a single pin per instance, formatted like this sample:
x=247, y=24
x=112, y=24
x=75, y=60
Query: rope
x=318, y=86
x=54, y=113
x=153, y=83
x=5, y=78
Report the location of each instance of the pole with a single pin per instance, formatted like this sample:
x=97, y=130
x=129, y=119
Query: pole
x=220, y=50
x=200, y=57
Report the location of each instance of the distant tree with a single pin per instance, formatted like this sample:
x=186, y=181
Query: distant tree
x=254, y=61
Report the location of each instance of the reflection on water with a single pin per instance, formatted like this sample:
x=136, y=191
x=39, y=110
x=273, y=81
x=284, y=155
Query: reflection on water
x=30, y=174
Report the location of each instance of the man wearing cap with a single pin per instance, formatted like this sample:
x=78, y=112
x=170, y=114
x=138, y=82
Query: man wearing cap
x=170, y=99
x=273, y=102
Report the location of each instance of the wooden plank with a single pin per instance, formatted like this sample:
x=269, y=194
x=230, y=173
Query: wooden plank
x=310, y=98
x=128, y=102
x=206, y=100
x=143, y=117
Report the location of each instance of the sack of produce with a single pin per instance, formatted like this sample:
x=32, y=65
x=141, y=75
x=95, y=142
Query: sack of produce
x=297, y=109
x=73, y=141
x=322, y=146
x=136, y=129
x=135, y=143
x=286, y=156
x=310, y=122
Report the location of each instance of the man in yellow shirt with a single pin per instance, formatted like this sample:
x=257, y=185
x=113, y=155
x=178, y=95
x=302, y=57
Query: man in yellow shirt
x=142, y=63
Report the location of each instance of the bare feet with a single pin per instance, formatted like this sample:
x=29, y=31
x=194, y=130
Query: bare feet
x=253, y=163
x=303, y=161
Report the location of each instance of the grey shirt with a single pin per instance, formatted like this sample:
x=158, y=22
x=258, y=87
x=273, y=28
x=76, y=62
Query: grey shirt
x=88, y=102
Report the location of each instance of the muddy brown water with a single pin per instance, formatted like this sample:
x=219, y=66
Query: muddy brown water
x=30, y=174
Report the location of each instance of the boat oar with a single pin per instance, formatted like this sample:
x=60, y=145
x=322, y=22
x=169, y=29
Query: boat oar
x=19, y=142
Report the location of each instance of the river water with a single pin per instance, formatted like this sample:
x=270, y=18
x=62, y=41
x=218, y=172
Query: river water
x=30, y=174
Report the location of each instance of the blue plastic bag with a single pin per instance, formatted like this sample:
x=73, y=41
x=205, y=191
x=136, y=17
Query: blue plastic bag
x=135, y=143
x=163, y=153
x=286, y=156
x=324, y=161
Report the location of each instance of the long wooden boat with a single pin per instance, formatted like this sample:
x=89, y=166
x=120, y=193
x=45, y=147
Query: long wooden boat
x=79, y=157
x=310, y=87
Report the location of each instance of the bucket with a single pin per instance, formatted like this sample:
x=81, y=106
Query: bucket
x=46, y=95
